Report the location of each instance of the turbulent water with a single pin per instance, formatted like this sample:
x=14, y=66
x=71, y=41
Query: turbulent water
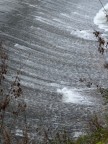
x=52, y=43
x=101, y=18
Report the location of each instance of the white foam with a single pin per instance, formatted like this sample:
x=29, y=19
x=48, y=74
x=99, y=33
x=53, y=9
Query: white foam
x=81, y=15
x=78, y=134
x=65, y=15
x=58, y=20
x=54, y=85
x=72, y=96
x=19, y=133
x=85, y=34
x=100, y=19
x=16, y=45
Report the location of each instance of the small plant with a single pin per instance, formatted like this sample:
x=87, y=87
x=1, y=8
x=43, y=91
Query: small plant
x=10, y=104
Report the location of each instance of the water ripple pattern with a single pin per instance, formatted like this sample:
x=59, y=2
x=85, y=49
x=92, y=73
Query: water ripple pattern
x=51, y=42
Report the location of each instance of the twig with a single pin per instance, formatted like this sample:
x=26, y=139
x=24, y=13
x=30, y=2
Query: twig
x=103, y=7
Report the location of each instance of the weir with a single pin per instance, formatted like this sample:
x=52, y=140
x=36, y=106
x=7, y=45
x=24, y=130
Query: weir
x=51, y=43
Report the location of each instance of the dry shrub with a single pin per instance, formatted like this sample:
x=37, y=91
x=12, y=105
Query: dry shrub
x=10, y=103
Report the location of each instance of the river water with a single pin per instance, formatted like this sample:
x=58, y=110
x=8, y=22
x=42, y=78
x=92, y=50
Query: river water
x=52, y=43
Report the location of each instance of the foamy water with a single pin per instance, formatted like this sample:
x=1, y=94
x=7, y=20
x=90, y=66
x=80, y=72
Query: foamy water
x=84, y=34
x=53, y=45
x=101, y=20
x=72, y=96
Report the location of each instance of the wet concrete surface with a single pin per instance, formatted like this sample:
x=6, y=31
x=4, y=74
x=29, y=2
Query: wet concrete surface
x=42, y=44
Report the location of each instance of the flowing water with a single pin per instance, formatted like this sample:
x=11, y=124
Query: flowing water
x=52, y=43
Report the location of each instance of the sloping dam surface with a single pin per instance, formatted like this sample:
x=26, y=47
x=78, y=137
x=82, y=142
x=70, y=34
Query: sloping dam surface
x=52, y=43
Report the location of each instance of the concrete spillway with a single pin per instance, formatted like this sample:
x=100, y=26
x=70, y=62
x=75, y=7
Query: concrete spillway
x=52, y=43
